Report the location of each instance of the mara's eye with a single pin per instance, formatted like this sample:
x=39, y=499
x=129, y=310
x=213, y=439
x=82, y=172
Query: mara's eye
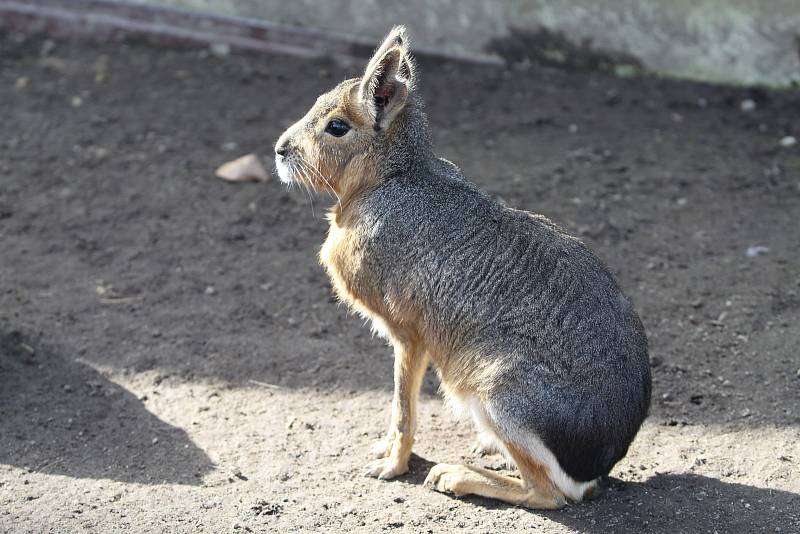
x=337, y=128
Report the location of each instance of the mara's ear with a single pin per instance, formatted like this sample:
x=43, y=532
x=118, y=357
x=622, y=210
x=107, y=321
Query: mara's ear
x=388, y=80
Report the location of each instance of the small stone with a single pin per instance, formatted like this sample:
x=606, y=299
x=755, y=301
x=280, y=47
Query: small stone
x=76, y=101
x=47, y=48
x=246, y=168
x=625, y=71
x=747, y=105
x=67, y=388
x=155, y=440
x=22, y=82
x=230, y=146
x=756, y=250
x=697, y=303
x=220, y=50
x=210, y=290
x=285, y=473
x=99, y=152
x=788, y=141
x=573, y=128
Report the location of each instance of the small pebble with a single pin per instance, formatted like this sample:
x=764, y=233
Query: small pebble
x=246, y=168
x=290, y=421
x=210, y=290
x=47, y=48
x=221, y=49
x=757, y=250
x=747, y=105
x=573, y=128
x=98, y=152
x=788, y=141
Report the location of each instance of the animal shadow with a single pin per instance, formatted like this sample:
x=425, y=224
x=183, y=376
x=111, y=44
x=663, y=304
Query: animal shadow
x=665, y=504
x=684, y=503
x=59, y=416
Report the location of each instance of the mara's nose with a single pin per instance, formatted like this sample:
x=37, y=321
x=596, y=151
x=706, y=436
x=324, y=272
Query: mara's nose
x=281, y=150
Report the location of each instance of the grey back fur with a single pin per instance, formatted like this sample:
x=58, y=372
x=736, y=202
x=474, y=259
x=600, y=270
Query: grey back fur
x=508, y=289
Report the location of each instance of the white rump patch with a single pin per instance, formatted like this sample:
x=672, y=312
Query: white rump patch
x=536, y=448
x=486, y=422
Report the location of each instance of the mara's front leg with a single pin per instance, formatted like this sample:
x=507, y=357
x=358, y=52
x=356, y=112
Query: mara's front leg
x=393, y=452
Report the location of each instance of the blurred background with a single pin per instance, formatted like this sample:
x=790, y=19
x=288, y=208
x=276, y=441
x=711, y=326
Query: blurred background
x=732, y=41
x=172, y=358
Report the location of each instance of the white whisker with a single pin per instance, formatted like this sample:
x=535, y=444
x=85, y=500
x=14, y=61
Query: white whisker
x=319, y=174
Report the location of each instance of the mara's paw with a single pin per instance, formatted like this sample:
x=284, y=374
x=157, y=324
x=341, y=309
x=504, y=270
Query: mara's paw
x=382, y=448
x=447, y=478
x=385, y=468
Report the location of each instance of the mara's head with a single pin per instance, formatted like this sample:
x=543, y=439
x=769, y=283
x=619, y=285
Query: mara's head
x=362, y=129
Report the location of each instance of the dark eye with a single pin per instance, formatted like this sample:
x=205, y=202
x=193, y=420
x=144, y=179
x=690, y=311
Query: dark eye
x=337, y=128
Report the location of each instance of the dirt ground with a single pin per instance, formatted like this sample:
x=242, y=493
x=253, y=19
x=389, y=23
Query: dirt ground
x=172, y=360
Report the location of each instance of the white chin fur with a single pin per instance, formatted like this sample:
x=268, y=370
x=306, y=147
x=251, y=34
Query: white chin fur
x=283, y=170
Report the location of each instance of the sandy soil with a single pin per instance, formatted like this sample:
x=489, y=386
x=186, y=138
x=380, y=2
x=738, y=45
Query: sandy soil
x=171, y=358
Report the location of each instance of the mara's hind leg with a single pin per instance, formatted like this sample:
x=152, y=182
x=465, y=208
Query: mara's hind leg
x=467, y=480
x=534, y=490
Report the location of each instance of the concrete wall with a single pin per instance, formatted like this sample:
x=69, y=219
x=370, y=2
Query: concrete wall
x=732, y=41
